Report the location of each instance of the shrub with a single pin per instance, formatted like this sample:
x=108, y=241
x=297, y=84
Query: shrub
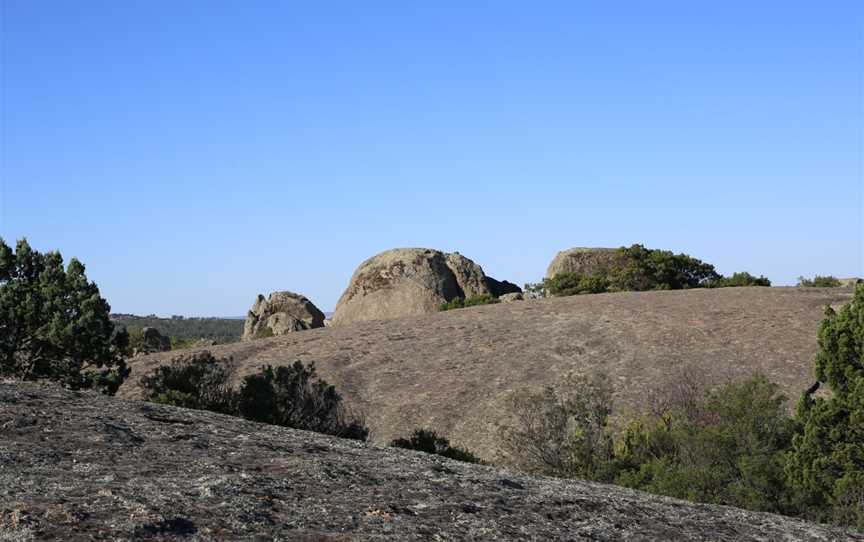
x=564, y=284
x=425, y=440
x=295, y=397
x=740, y=279
x=819, y=282
x=651, y=269
x=724, y=446
x=727, y=450
x=636, y=268
x=460, y=303
x=197, y=381
x=826, y=463
x=55, y=325
x=289, y=396
x=561, y=430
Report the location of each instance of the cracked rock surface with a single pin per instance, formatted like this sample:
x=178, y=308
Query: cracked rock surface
x=80, y=466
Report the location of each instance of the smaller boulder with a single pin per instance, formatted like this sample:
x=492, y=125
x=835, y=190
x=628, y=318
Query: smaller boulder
x=281, y=313
x=153, y=341
x=511, y=297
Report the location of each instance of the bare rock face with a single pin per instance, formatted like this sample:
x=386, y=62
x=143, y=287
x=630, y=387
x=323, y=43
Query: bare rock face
x=80, y=466
x=581, y=260
x=510, y=298
x=281, y=313
x=411, y=281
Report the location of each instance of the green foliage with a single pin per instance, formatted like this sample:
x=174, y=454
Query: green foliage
x=288, y=396
x=650, y=269
x=826, y=463
x=726, y=449
x=725, y=446
x=54, y=324
x=460, y=303
x=819, y=282
x=740, y=279
x=636, y=268
x=186, y=330
x=197, y=381
x=425, y=440
x=564, y=284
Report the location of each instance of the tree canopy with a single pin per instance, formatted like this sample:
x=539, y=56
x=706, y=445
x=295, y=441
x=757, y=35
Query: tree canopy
x=54, y=323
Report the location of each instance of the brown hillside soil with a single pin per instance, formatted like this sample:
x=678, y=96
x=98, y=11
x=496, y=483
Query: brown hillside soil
x=451, y=371
x=80, y=466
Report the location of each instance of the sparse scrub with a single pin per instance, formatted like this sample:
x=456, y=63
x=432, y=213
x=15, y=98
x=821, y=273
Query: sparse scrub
x=819, y=282
x=562, y=430
x=426, y=440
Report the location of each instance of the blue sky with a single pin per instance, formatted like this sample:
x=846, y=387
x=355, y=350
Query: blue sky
x=195, y=153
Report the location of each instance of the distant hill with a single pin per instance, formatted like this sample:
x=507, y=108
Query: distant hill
x=451, y=371
x=221, y=330
x=82, y=466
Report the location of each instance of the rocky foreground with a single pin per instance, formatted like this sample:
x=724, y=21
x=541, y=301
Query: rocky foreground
x=79, y=466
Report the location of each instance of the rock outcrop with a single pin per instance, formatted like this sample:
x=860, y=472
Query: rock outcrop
x=510, y=298
x=412, y=281
x=281, y=313
x=153, y=341
x=81, y=466
x=581, y=260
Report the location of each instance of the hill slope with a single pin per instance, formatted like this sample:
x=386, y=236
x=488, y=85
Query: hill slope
x=79, y=466
x=452, y=370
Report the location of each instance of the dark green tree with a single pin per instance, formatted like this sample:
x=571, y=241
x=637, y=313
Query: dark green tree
x=54, y=324
x=826, y=464
x=426, y=440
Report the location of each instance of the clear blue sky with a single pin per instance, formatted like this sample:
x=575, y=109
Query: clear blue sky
x=195, y=153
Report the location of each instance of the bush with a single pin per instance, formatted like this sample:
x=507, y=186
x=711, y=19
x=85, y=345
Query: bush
x=288, y=396
x=198, y=381
x=724, y=446
x=740, y=279
x=651, y=269
x=819, y=282
x=826, y=463
x=561, y=430
x=425, y=440
x=636, y=268
x=460, y=303
x=295, y=397
x=55, y=325
x=727, y=450
x=564, y=284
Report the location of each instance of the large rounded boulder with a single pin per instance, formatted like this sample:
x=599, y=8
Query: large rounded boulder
x=582, y=260
x=412, y=281
x=281, y=313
